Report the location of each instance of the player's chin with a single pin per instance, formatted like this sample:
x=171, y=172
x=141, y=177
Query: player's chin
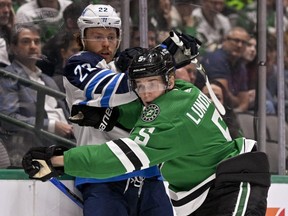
x=108, y=58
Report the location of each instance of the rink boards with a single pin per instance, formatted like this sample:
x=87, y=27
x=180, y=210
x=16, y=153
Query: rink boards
x=35, y=198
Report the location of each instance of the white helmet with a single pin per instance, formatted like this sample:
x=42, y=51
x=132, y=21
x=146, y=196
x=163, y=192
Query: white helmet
x=99, y=16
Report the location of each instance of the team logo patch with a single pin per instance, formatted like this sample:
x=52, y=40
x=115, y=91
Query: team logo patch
x=150, y=113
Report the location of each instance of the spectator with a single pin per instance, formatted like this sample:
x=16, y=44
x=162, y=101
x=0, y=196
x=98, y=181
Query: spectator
x=211, y=26
x=135, y=37
x=169, y=12
x=185, y=7
x=272, y=72
x=6, y=23
x=47, y=14
x=235, y=9
x=230, y=117
x=92, y=74
x=208, y=172
x=19, y=101
x=66, y=46
x=162, y=14
x=187, y=73
x=249, y=57
x=53, y=58
x=248, y=17
x=226, y=65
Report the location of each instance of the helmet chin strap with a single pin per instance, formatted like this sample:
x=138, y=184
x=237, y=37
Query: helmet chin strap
x=83, y=44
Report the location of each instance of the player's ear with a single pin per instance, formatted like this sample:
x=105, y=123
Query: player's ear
x=171, y=82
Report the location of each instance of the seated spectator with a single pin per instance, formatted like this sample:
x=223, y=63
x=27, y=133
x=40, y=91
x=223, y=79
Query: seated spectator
x=187, y=73
x=47, y=14
x=226, y=65
x=135, y=37
x=185, y=7
x=6, y=23
x=19, y=101
x=248, y=17
x=50, y=48
x=229, y=117
x=211, y=26
x=162, y=14
x=249, y=57
x=272, y=72
x=65, y=47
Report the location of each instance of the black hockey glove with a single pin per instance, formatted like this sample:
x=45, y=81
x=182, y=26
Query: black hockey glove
x=125, y=58
x=37, y=162
x=103, y=119
x=182, y=54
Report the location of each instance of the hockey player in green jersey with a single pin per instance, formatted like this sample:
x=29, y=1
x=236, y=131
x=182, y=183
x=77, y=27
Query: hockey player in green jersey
x=209, y=174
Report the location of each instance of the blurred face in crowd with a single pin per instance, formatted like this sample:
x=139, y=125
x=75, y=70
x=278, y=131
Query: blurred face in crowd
x=165, y=5
x=150, y=88
x=187, y=73
x=213, y=7
x=28, y=47
x=217, y=90
x=250, y=51
x=103, y=41
x=72, y=49
x=182, y=74
x=135, y=40
x=235, y=42
x=5, y=11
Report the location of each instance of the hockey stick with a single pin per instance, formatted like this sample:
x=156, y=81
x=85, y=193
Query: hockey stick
x=200, y=68
x=67, y=192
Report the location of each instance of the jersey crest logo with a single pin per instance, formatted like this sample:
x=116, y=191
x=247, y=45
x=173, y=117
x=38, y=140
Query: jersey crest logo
x=150, y=113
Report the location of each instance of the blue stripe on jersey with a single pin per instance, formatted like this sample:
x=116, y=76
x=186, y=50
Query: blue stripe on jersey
x=96, y=80
x=109, y=91
x=147, y=173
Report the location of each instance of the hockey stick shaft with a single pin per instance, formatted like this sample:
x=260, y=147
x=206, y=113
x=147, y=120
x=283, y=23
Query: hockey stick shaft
x=72, y=196
x=200, y=68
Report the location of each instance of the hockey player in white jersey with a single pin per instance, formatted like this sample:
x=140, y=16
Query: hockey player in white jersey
x=91, y=75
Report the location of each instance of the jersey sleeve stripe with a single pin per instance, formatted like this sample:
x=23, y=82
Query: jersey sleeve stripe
x=138, y=151
x=96, y=81
x=121, y=156
x=129, y=153
x=110, y=90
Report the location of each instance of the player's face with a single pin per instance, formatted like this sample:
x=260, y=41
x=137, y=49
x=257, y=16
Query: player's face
x=103, y=41
x=28, y=47
x=150, y=88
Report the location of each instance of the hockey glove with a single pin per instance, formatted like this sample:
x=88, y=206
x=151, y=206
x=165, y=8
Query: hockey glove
x=125, y=58
x=183, y=52
x=103, y=119
x=37, y=162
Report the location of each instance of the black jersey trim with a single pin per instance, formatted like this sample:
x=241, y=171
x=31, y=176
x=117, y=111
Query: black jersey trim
x=193, y=195
x=129, y=153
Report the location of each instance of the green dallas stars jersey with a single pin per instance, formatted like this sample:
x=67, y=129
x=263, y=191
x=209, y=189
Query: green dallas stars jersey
x=181, y=129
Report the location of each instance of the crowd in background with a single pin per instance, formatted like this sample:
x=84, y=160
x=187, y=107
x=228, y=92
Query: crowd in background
x=227, y=30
